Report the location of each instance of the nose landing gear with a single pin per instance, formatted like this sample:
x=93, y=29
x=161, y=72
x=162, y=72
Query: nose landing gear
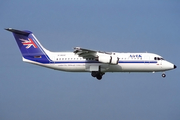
x=163, y=75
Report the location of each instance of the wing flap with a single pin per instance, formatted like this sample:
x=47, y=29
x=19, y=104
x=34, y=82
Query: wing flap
x=85, y=53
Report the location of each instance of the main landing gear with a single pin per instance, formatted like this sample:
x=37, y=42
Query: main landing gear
x=97, y=74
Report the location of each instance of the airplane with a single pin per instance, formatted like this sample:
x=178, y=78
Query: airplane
x=85, y=60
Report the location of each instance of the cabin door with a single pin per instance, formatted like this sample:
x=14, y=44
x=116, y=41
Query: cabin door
x=146, y=59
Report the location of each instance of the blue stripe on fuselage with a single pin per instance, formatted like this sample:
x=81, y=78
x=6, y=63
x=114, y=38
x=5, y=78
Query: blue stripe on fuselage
x=73, y=62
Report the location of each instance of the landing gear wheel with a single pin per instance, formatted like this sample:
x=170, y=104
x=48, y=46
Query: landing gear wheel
x=97, y=74
x=163, y=75
x=94, y=73
x=99, y=77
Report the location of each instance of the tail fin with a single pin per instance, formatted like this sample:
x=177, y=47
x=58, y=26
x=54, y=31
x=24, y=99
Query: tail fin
x=29, y=46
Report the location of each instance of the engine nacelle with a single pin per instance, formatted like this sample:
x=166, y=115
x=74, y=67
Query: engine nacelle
x=108, y=59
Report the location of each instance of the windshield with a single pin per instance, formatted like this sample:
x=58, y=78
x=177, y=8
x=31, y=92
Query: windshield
x=158, y=58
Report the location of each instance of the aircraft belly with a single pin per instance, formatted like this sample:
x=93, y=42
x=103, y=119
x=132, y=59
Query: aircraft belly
x=98, y=66
x=107, y=67
x=70, y=67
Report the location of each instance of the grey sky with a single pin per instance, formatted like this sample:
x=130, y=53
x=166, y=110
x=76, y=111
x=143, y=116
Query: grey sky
x=29, y=92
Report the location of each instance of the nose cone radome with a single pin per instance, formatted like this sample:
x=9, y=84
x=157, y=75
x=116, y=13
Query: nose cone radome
x=175, y=66
x=168, y=65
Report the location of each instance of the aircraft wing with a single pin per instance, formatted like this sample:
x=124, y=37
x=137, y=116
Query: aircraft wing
x=85, y=53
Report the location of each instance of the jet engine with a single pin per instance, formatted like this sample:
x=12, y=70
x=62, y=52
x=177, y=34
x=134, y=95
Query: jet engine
x=108, y=59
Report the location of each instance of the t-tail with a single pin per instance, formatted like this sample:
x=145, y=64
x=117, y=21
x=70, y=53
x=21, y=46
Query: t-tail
x=30, y=47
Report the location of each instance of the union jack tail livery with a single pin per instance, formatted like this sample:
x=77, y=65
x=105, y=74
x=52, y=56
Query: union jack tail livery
x=29, y=46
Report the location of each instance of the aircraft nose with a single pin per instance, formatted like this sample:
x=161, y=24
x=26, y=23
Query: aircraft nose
x=175, y=66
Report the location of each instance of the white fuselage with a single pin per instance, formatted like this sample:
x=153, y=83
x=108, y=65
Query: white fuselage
x=128, y=62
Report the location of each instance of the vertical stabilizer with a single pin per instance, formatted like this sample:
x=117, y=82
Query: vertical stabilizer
x=29, y=46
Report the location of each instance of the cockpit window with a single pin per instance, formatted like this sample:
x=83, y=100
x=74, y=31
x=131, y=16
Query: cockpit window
x=158, y=58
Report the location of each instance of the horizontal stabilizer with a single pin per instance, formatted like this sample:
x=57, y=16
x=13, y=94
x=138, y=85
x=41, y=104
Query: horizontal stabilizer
x=18, y=31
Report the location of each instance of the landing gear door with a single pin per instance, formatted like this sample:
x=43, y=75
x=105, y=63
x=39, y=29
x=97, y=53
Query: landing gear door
x=94, y=68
